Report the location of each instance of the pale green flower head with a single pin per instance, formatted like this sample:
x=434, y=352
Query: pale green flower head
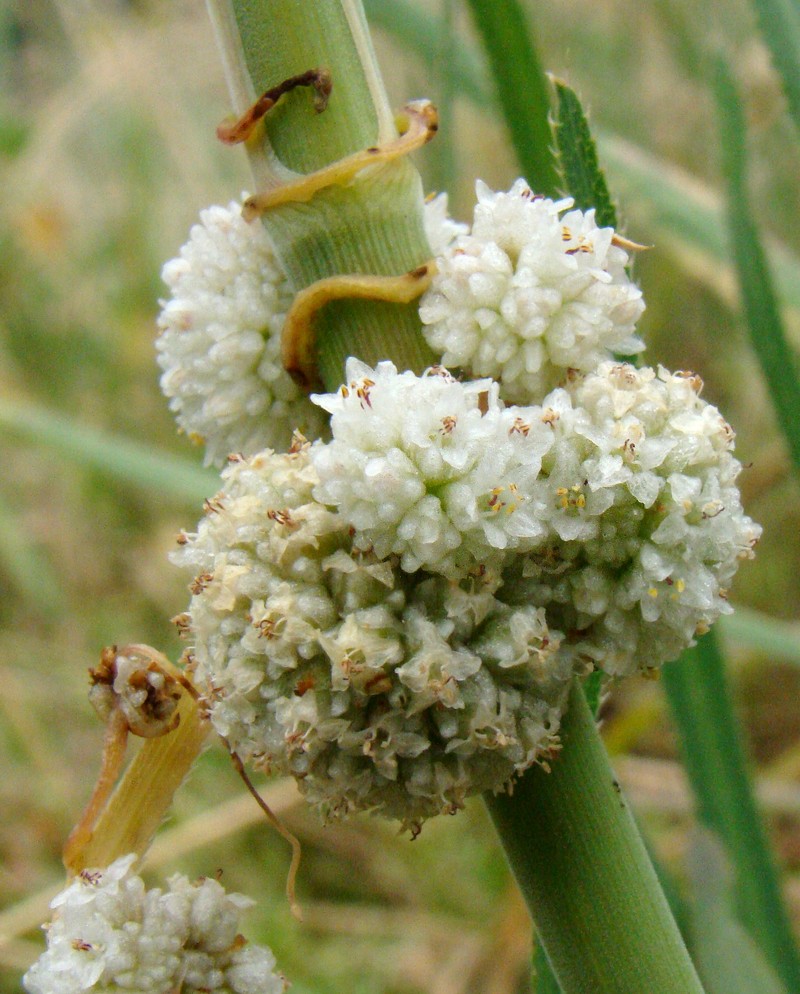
x=377, y=689
x=613, y=505
x=647, y=528
x=394, y=616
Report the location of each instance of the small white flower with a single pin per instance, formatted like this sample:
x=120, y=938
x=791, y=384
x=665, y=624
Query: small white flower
x=441, y=230
x=219, y=340
x=534, y=290
x=110, y=934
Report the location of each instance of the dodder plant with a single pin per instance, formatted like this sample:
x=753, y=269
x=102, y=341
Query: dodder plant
x=397, y=604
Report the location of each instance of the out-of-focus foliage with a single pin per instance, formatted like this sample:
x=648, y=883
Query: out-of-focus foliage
x=107, y=153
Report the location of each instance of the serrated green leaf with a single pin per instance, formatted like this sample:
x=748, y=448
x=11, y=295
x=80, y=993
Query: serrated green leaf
x=577, y=155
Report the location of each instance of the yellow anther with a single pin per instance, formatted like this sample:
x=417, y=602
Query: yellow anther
x=652, y=592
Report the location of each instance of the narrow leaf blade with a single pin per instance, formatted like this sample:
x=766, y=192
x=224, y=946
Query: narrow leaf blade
x=521, y=86
x=758, y=296
x=121, y=458
x=702, y=708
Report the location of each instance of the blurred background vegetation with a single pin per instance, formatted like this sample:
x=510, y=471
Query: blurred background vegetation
x=107, y=117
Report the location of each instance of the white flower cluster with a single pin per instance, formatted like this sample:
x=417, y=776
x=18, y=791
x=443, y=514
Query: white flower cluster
x=377, y=689
x=110, y=934
x=394, y=616
x=647, y=527
x=534, y=290
x=219, y=341
x=613, y=503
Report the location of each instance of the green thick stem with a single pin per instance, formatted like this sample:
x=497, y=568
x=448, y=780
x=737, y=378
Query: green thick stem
x=373, y=224
x=586, y=876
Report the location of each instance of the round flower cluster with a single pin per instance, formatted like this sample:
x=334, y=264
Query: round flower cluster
x=646, y=524
x=111, y=934
x=534, y=290
x=375, y=688
x=613, y=505
x=219, y=341
x=394, y=616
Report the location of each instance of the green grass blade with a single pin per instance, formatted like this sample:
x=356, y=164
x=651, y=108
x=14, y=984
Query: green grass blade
x=769, y=636
x=424, y=35
x=728, y=960
x=760, y=303
x=544, y=981
x=26, y=568
x=443, y=152
x=779, y=21
x=172, y=477
x=577, y=155
x=521, y=87
x=676, y=205
x=702, y=708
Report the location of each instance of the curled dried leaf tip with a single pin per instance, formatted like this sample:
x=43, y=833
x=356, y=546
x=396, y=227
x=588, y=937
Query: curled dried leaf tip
x=139, y=682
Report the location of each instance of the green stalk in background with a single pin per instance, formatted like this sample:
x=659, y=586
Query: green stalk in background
x=702, y=709
x=714, y=759
x=779, y=21
x=761, y=308
x=570, y=837
x=521, y=86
